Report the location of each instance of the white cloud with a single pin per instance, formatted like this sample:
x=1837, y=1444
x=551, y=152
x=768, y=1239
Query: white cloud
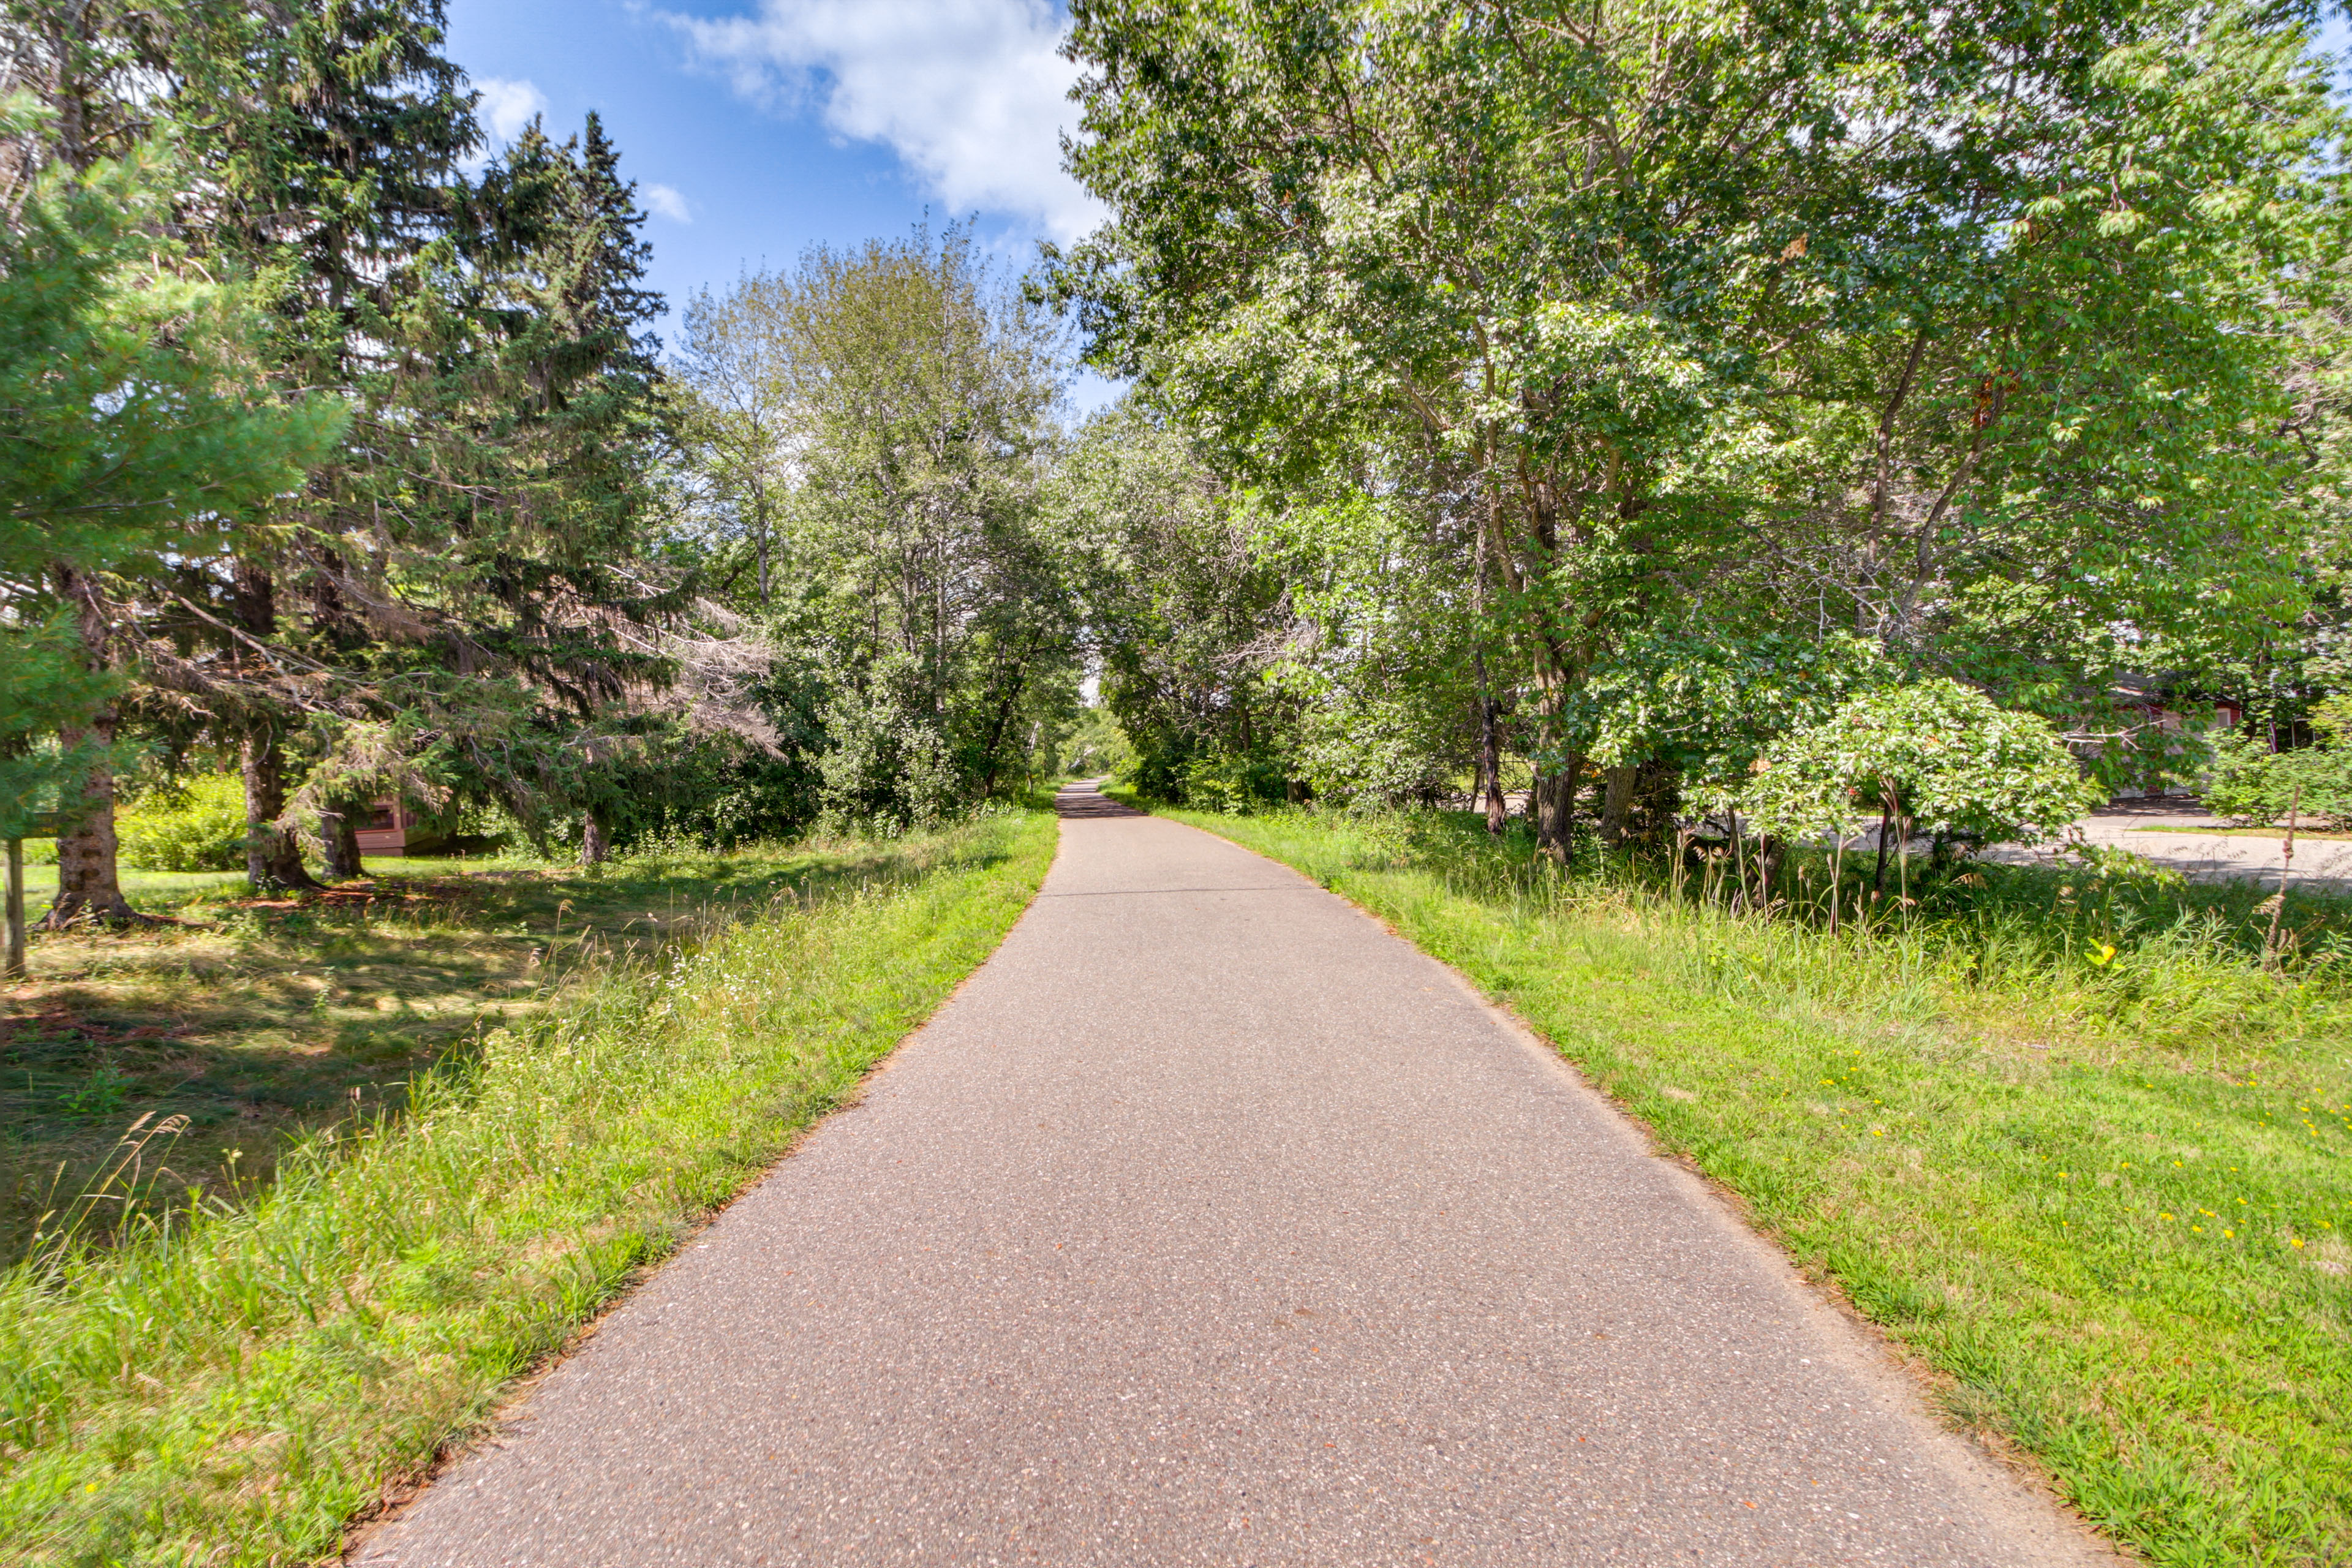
x=508, y=106
x=968, y=93
x=667, y=201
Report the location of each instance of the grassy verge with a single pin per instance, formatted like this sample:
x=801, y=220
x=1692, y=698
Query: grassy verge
x=2105, y=1197
x=235, y=1383
x=256, y=1020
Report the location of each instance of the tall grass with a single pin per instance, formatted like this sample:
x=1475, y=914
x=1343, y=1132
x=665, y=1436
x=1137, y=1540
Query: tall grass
x=2115, y=960
x=249, y=1023
x=237, y=1380
x=2080, y=1149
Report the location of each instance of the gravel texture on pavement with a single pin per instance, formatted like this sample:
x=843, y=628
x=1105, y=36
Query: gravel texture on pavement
x=1209, y=1223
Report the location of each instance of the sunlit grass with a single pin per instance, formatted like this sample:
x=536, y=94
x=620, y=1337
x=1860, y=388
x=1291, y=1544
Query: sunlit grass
x=230, y=1384
x=256, y=1019
x=2105, y=1198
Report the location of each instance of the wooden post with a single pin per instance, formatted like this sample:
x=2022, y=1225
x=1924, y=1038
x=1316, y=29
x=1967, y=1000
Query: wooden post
x=15, y=966
x=2286, y=866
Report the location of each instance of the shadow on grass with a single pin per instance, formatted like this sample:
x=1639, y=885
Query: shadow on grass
x=259, y=1019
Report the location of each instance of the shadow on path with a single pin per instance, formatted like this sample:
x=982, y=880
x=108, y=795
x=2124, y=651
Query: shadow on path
x=1087, y=800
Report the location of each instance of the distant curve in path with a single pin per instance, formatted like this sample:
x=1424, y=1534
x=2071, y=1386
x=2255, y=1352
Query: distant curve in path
x=1211, y=1224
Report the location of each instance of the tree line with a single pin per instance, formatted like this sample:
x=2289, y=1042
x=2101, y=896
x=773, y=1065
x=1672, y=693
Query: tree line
x=341, y=454
x=1646, y=390
x=1658, y=409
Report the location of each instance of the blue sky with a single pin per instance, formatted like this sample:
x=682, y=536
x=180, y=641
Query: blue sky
x=758, y=127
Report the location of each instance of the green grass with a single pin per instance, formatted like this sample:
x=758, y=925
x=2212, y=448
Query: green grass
x=145, y=890
x=259, y=1019
x=2104, y=1198
x=232, y=1383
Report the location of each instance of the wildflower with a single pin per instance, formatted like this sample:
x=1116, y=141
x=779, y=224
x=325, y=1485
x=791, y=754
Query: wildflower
x=2164, y=1216
x=2298, y=1242
x=2229, y=1233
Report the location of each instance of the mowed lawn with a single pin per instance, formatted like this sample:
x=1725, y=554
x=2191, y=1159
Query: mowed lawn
x=2104, y=1200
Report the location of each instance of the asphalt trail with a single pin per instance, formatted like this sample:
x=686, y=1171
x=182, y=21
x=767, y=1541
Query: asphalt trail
x=1211, y=1224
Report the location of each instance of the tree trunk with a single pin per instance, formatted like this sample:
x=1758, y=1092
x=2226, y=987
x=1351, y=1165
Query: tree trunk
x=1490, y=755
x=1617, y=802
x=1490, y=729
x=595, y=844
x=273, y=856
x=1878, y=872
x=1554, y=804
x=339, y=833
x=90, y=884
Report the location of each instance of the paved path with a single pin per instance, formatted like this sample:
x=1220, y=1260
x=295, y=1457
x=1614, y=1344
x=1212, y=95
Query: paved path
x=1209, y=1224
x=2321, y=865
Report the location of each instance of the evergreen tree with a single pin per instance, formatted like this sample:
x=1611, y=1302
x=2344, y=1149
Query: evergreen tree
x=135, y=422
x=332, y=155
x=500, y=604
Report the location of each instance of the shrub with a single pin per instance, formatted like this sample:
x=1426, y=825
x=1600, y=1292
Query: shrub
x=2257, y=787
x=1381, y=753
x=198, y=825
x=890, y=768
x=1936, y=757
x=1233, y=782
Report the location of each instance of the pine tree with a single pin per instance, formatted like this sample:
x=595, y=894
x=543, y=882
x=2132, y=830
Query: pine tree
x=334, y=158
x=134, y=421
x=498, y=606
